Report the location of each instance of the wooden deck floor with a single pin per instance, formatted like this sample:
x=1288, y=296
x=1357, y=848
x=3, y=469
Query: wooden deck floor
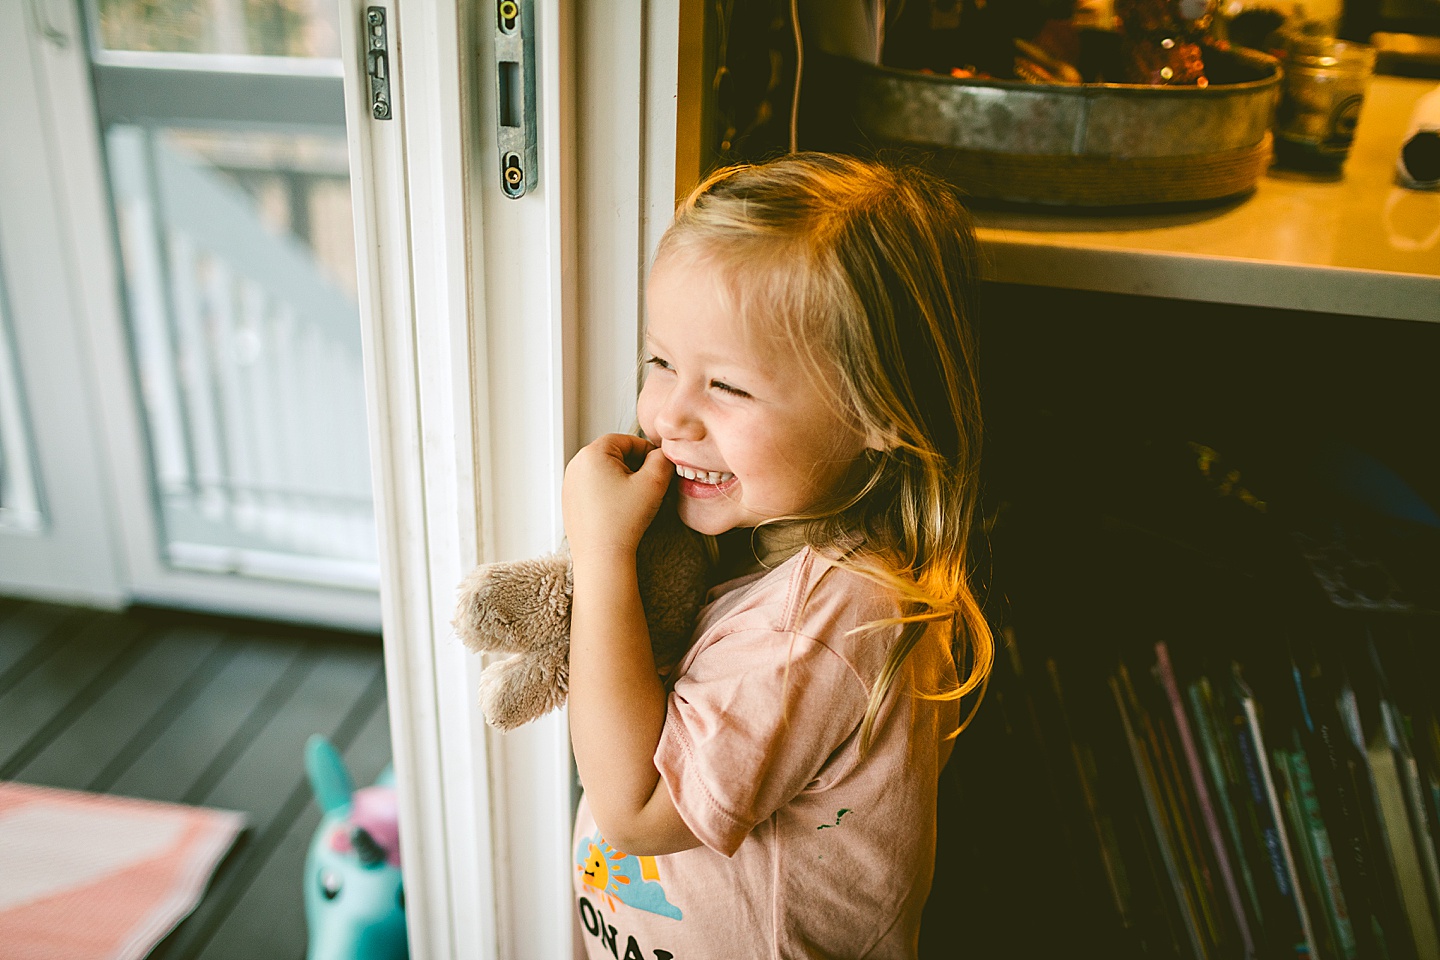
x=201, y=711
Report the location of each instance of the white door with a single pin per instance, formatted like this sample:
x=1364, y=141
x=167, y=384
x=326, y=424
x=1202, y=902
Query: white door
x=57, y=538
x=499, y=333
x=185, y=181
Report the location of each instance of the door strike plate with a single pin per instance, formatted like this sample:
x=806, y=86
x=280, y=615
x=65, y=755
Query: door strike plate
x=515, y=96
x=377, y=62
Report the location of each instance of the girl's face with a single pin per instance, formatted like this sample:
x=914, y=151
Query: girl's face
x=751, y=434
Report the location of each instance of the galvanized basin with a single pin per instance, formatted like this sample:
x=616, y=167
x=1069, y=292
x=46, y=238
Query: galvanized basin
x=1093, y=144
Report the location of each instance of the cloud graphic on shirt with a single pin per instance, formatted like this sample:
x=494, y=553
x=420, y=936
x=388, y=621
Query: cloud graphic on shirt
x=613, y=875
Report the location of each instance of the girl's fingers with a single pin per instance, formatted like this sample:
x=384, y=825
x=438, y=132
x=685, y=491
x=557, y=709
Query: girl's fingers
x=658, y=466
x=626, y=443
x=612, y=489
x=629, y=449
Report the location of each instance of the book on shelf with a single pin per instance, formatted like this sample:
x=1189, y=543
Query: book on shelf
x=1213, y=913
x=1341, y=776
x=1226, y=778
x=1388, y=878
x=1287, y=919
x=1053, y=743
x=1165, y=674
x=1102, y=823
x=1367, y=709
x=1401, y=841
x=1337, y=909
x=1111, y=788
x=1272, y=793
x=1182, y=895
x=1336, y=841
x=1244, y=804
x=1098, y=807
x=1319, y=881
x=1397, y=729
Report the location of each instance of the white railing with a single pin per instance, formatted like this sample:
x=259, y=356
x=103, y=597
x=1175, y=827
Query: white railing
x=248, y=359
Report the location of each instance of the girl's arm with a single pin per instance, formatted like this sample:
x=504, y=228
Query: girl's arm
x=617, y=703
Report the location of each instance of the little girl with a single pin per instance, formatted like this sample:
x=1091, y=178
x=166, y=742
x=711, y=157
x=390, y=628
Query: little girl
x=812, y=392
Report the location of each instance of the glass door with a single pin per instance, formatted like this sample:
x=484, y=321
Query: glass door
x=182, y=413
x=55, y=534
x=224, y=136
x=223, y=131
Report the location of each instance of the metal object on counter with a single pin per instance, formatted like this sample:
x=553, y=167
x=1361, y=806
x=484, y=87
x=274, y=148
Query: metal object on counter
x=1094, y=144
x=1324, y=88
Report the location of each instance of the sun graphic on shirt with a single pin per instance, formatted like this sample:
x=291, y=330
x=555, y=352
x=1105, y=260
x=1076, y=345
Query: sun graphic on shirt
x=596, y=872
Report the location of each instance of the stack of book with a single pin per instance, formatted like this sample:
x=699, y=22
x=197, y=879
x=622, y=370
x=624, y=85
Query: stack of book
x=1196, y=750
x=1297, y=822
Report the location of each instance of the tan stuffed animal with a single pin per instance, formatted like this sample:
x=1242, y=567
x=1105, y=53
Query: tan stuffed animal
x=523, y=607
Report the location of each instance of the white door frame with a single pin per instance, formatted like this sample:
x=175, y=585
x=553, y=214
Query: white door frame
x=498, y=334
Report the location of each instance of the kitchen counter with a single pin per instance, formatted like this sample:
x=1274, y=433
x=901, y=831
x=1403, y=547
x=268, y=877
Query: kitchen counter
x=1359, y=245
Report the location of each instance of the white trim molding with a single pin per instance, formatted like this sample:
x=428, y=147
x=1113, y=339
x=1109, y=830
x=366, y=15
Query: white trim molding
x=464, y=298
x=499, y=335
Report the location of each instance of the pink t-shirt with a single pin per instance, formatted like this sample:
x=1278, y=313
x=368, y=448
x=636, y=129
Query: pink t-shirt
x=807, y=850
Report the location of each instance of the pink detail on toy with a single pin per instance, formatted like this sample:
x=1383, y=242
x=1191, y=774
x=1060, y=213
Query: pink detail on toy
x=374, y=810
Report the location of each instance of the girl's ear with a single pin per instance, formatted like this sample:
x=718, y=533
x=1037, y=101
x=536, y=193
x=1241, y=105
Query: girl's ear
x=875, y=440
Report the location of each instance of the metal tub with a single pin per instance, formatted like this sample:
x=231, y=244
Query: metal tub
x=1094, y=144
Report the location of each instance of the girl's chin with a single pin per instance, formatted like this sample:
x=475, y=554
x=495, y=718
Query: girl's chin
x=707, y=525
x=704, y=518
x=709, y=508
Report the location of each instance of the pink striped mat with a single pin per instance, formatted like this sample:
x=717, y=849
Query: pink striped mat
x=91, y=877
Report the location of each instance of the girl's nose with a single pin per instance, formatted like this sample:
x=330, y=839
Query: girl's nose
x=678, y=417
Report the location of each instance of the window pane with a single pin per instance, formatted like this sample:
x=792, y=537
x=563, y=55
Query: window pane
x=298, y=185
x=239, y=265
x=275, y=28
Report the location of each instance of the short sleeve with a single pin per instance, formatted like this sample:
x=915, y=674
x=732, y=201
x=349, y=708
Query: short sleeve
x=749, y=725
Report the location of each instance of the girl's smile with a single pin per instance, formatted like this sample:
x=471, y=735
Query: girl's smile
x=703, y=484
x=753, y=437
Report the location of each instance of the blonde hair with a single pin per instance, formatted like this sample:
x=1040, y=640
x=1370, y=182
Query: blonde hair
x=871, y=270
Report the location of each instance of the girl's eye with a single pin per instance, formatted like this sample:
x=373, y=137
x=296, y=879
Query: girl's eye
x=658, y=363
x=726, y=388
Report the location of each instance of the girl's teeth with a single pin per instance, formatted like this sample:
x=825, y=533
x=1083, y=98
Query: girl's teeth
x=703, y=476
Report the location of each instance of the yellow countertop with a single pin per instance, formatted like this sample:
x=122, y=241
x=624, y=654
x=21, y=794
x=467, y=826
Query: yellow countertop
x=1359, y=245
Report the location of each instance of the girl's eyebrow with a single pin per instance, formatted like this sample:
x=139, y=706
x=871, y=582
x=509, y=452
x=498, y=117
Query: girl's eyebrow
x=654, y=346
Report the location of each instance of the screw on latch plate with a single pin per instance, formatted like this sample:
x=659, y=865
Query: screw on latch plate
x=377, y=62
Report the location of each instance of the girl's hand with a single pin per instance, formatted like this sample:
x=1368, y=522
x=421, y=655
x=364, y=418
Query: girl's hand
x=612, y=490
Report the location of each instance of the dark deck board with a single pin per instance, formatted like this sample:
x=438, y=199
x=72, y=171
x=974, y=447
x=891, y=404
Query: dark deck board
x=25, y=637
x=84, y=749
x=48, y=696
x=195, y=710
x=173, y=764
x=167, y=712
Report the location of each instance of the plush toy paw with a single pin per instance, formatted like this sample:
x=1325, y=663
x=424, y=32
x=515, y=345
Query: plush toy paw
x=522, y=688
x=511, y=607
x=522, y=607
